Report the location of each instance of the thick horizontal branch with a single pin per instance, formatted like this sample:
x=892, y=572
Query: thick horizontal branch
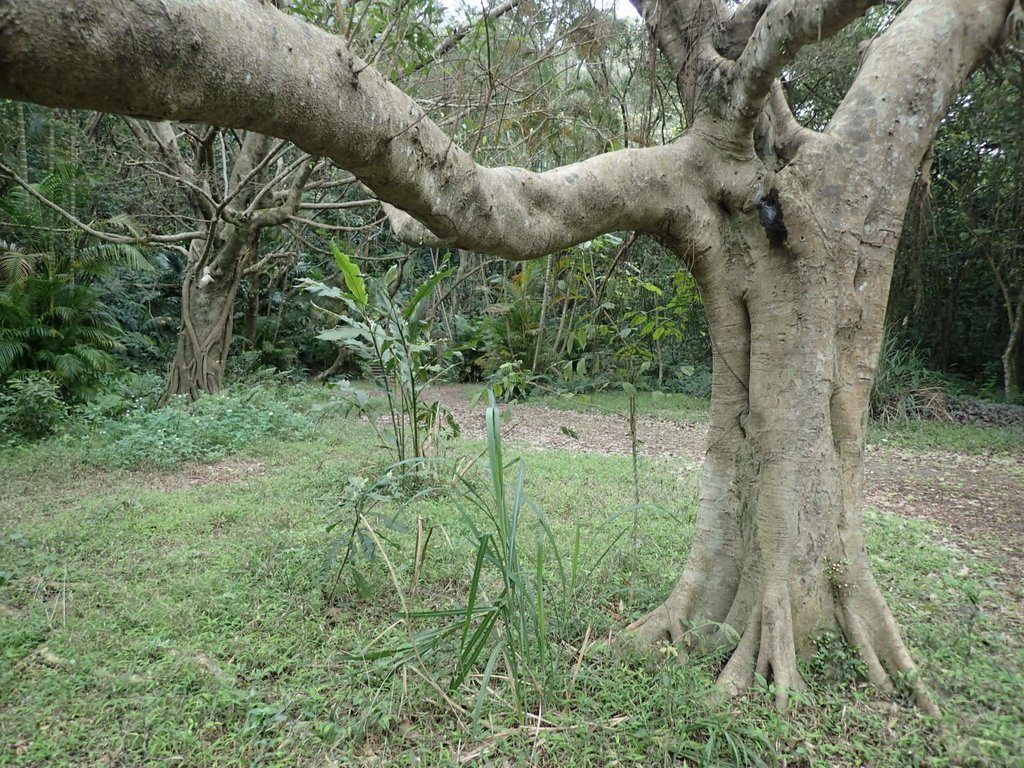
x=244, y=64
x=338, y=206
x=410, y=231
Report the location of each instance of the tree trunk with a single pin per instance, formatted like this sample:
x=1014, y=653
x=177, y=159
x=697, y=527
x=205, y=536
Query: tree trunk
x=251, y=312
x=22, y=140
x=1011, y=373
x=542, y=322
x=778, y=553
x=207, y=320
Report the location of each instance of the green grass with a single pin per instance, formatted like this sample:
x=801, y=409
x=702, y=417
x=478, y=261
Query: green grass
x=149, y=620
x=972, y=439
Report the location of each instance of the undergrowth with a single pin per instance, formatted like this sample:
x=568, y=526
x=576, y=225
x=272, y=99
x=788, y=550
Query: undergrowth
x=133, y=433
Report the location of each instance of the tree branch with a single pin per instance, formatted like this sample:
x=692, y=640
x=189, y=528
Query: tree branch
x=682, y=30
x=910, y=75
x=160, y=138
x=243, y=178
x=279, y=76
x=410, y=231
x=457, y=35
x=283, y=173
x=107, y=237
x=783, y=28
x=281, y=213
x=733, y=33
x=338, y=206
x=778, y=136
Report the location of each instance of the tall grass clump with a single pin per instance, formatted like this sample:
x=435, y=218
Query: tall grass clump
x=519, y=601
x=904, y=388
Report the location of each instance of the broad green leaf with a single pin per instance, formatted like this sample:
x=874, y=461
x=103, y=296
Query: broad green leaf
x=353, y=277
x=423, y=292
x=339, y=334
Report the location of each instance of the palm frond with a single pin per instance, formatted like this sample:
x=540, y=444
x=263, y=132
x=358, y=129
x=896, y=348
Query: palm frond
x=68, y=367
x=10, y=351
x=127, y=223
x=100, y=258
x=15, y=265
x=58, y=184
x=97, y=359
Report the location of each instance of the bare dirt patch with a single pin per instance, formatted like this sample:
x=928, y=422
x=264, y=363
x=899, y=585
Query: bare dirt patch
x=587, y=432
x=227, y=471
x=979, y=500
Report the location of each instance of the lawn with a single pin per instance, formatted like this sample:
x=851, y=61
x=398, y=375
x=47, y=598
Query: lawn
x=194, y=614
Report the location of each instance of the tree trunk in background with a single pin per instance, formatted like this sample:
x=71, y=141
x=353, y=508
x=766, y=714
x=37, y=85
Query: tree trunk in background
x=207, y=317
x=22, y=141
x=1011, y=371
x=1014, y=306
x=251, y=312
x=542, y=321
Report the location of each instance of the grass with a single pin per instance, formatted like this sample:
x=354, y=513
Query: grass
x=149, y=620
x=970, y=439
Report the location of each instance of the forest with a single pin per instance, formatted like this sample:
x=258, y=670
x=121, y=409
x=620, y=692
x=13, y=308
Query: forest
x=382, y=450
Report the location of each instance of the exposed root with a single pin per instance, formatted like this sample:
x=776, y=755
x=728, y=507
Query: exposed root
x=656, y=627
x=767, y=649
x=767, y=645
x=869, y=625
x=666, y=623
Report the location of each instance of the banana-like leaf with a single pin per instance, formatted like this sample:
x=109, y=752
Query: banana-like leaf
x=353, y=277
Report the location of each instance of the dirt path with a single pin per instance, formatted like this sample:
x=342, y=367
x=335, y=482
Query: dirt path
x=979, y=500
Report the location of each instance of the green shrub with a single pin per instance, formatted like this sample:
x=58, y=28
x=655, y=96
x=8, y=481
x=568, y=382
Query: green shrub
x=694, y=381
x=31, y=406
x=119, y=396
x=208, y=429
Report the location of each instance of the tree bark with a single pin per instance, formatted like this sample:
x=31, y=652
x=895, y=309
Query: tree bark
x=778, y=553
x=1011, y=373
x=207, y=317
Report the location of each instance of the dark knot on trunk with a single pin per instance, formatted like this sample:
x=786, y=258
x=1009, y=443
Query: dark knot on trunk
x=771, y=218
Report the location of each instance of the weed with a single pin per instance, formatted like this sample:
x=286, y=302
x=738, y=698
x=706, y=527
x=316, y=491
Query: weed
x=208, y=429
x=394, y=339
x=31, y=406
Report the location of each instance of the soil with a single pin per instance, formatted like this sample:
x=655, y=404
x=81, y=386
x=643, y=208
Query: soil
x=977, y=501
x=196, y=475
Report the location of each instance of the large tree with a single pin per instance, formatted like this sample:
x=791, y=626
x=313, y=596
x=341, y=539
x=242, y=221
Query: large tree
x=789, y=232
